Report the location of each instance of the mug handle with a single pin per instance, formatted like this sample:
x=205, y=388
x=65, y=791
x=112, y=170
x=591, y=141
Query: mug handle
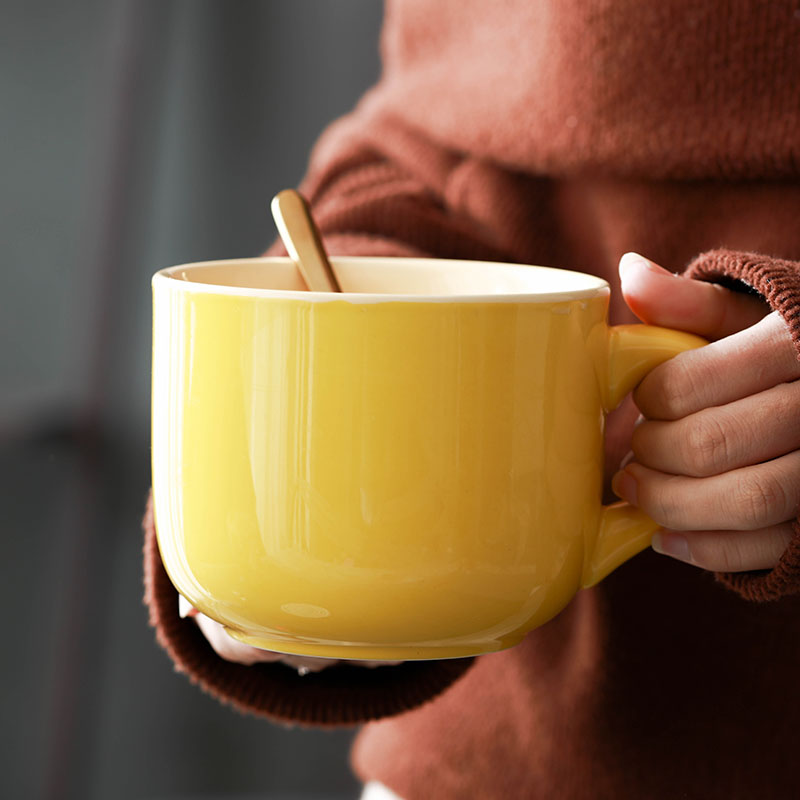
x=627, y=354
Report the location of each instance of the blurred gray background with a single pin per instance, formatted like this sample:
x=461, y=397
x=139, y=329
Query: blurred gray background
x=134, y=134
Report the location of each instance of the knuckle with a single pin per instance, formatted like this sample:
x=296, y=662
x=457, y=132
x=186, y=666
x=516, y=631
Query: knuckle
x=760, y=499
x=659, y=503
x=706, y=447
x=222, y=648
x=677, y=390
x=787, y=405
x=720, y=555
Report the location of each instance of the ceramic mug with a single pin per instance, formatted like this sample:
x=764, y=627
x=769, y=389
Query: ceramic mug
x=411, y=469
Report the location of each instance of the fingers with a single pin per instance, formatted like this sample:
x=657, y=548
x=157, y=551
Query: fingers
x=742, y=364
x=659, y=297
x=228, y=648
x=749, y=498
x=718, y=458
x=306, y=664
x=727, y=551
x=719, y=439
x=231, y=650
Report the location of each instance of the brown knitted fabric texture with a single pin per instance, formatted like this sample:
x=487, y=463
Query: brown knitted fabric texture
x=778, y=282
x=338, y=695
x=670, y=89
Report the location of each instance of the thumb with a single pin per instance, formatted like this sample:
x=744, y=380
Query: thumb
x=659, y=297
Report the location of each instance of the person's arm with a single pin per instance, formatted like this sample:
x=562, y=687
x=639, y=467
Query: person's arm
x=717, y=459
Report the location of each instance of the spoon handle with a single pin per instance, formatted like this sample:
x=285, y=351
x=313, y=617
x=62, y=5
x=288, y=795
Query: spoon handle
x=302, y=241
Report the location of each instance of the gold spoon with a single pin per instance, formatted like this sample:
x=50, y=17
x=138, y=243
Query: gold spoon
x=302, y=241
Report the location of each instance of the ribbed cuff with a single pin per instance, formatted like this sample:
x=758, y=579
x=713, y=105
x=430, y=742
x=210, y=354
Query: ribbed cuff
x=336, y=696
x=778, y=282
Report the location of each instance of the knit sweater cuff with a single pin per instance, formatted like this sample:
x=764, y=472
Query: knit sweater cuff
x=337, y=695
x=778, y=282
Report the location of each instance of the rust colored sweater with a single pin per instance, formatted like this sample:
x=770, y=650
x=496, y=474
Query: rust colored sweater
x=566, y=132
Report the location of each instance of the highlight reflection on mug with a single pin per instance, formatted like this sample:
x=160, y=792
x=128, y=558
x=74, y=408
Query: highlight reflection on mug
x=307, y=610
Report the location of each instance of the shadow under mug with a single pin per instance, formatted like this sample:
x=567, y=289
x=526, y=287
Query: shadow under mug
x=411, y=469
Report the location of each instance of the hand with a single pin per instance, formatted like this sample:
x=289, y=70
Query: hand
x=717, y=456
x=231, y=650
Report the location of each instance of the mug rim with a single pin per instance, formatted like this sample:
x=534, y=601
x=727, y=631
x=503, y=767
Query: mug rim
x=590, y=286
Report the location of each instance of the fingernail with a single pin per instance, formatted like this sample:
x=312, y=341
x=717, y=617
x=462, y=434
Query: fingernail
x=672, y=544
x=627, y=460
x=632, y=260
x=185, y=608
x=623, y=484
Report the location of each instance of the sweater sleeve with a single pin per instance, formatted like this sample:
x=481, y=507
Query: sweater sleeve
x=366, y=202
x=338, y=695
x=778, y=282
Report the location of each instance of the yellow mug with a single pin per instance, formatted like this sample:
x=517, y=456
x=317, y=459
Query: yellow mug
x=411, y=469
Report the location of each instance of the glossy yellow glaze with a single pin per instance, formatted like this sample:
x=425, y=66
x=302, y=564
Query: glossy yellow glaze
x=387, y=479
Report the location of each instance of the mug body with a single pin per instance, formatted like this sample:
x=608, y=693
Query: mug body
x=411, y=469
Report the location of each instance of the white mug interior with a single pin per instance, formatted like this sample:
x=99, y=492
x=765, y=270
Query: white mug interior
x=371, y=279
